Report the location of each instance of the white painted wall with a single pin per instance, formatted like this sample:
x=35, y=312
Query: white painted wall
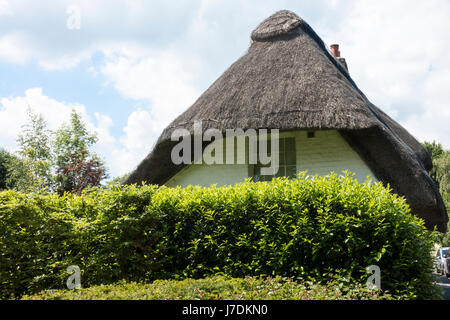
x=327, y=152
x=324, y=153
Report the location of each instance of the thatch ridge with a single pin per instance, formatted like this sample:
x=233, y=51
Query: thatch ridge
x=281, y=23
x=288, y=80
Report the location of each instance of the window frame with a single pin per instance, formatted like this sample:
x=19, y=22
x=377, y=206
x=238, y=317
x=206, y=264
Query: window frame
x=286, y=145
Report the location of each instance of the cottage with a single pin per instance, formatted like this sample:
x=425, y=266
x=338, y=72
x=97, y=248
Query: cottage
x=289, y=81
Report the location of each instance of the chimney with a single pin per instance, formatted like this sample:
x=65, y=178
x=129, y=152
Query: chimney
x=337, y=55
x=335, y=50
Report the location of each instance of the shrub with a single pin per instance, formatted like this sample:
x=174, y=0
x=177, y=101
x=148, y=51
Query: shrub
x=307, y=228
x=217, y=288
x=34, y=241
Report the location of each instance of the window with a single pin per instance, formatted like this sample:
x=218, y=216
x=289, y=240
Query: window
x=287, y=157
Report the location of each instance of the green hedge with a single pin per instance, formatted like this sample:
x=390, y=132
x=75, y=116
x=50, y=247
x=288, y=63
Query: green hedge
x=217, y=288
x=310, y=228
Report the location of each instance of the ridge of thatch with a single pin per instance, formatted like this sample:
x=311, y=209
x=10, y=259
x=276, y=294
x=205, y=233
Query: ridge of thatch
x=282, y=22
x=288, y=80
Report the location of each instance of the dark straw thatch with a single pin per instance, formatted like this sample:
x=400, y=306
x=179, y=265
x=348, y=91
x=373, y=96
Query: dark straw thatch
x=288, y=80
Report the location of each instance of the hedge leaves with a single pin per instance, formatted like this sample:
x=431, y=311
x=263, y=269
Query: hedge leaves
x=318, y=228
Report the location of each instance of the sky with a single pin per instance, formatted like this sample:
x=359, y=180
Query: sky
x=129, y=67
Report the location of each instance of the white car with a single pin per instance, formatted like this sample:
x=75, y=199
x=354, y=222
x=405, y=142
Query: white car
x=442, y=261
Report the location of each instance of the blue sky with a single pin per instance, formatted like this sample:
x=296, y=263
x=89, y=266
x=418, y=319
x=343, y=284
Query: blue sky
x=132, y=65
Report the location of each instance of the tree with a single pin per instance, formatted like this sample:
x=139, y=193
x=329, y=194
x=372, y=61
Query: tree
x=63, y=164
x=441, y=168
x=81, y=172
x=13, y=172
x=77, y=167
x=435, y=150
x=31, y=170
x=4, y=164
x=441, y=174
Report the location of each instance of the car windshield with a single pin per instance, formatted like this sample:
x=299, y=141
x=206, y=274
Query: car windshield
x=444, y=253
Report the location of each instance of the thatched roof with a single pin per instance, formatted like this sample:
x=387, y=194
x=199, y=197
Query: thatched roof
x=288, y=80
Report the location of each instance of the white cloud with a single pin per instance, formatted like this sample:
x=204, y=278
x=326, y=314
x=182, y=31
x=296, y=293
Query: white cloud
x=59, y=63
x=103, y=24
x=138, y=133
x=4, y=8
x=104, y=124
x=161, y=79
x=334, y=3
x=13, y=49
x=432, y=124
x=13, y=113
x=135, y=144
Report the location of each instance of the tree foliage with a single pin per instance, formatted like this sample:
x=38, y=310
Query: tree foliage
x=13, y=171
x=77, y=167
x=435, y=150
x=79, y=173
x=72, y=139
x=35, y=153
x=4, y=161
x=59, y=161
x=441, y=175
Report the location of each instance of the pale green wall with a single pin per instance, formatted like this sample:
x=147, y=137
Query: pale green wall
x=324, y=153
